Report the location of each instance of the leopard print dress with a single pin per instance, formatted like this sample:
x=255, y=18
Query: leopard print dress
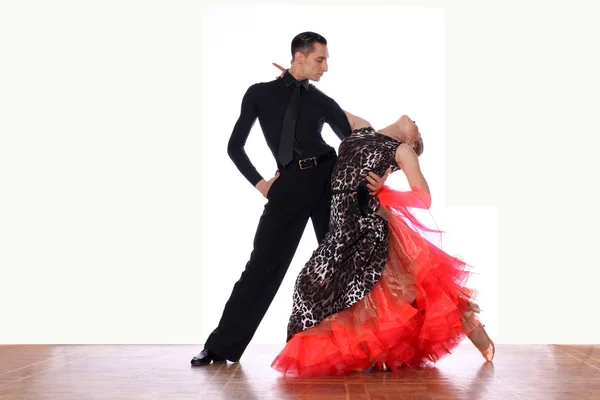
x=350, y=260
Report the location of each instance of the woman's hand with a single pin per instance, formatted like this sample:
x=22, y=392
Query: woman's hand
x=281, y=69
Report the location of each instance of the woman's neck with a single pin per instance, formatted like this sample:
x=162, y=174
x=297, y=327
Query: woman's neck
x=393, y=132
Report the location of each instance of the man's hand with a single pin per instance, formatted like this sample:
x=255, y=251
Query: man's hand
x=376, y=182
x=264, y=186
x=281, y=69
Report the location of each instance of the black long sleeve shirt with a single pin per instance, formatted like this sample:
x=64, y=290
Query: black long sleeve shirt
x=268, y=102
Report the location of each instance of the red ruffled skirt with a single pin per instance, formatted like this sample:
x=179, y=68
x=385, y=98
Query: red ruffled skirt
x=413, y=316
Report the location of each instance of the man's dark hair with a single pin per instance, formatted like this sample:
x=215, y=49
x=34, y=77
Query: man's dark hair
x=305, y=42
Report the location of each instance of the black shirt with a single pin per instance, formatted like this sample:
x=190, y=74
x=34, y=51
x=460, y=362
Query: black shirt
x=268, y=102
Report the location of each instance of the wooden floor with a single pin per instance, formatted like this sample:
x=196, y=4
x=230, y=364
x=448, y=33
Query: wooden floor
x=547, y=372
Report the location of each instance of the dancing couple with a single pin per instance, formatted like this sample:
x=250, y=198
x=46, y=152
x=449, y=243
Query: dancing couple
x=376, y=294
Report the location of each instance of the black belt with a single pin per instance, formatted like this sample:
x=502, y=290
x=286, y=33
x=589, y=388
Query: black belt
x=310, y=162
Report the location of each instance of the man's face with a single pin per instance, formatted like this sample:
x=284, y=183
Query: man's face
x=314, y=65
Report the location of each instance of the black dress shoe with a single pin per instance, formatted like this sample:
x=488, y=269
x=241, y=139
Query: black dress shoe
x=205, y=357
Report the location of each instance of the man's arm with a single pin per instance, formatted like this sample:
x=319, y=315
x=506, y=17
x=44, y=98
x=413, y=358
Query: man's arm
x=241, y=130
x=338, y=121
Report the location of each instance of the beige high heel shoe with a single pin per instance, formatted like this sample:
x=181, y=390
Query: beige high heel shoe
x=478, y=336
x=484, y=344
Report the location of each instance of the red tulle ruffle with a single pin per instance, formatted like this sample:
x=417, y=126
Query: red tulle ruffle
x=413, y=316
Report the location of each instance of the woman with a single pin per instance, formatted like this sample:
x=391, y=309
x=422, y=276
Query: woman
x=376, y=293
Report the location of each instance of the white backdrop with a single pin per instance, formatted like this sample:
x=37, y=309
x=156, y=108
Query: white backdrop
x=377, y=71
x=104, y=192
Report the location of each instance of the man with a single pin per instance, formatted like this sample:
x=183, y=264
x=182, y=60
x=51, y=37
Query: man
x=291, y=113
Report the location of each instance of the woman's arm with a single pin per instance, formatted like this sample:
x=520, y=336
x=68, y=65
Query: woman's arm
x=407, y=160
x=356, y=122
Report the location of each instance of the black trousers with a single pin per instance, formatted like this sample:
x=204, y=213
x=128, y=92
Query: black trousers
x=294, y=197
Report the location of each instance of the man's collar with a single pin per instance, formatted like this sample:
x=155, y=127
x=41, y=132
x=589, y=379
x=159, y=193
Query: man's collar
x=289, y=80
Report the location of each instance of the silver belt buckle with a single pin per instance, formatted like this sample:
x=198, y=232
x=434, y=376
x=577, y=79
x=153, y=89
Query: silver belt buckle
x=302, y=164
